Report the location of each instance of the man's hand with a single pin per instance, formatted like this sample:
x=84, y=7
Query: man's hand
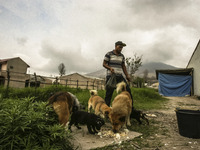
x=112, y=70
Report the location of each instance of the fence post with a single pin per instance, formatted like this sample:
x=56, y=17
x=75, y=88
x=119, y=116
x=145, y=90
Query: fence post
x=87, y=85
x=77, y=84
x=35, y=82
x=66, y=82
x=93, y=84
x=8, y=82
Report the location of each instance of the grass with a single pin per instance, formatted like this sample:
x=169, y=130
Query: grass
x=147, y=99
x=143, y=99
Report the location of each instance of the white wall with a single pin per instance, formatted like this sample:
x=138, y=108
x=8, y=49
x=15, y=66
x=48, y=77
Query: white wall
x=195, y=63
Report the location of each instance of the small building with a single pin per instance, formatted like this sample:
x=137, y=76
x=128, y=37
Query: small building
x=13, y=72
x=38, y=81
x=77, y=80
x=194, y=62
x=177, y=82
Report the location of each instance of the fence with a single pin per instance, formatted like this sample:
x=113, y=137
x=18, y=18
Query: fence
x=22, y=80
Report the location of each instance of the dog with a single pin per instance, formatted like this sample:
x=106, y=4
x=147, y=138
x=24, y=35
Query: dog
x=121, y=108
x=64, y=103
x=98, y=104
x=138, y=114
x=92, y=121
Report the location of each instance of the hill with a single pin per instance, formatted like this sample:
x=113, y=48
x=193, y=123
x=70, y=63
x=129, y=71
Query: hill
x=151, y=67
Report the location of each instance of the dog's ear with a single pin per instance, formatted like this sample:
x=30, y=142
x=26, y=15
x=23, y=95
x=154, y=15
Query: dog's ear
x=122, y=119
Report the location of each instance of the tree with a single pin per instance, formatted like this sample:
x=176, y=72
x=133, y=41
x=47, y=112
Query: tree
x=61, y=69
x=133, y=64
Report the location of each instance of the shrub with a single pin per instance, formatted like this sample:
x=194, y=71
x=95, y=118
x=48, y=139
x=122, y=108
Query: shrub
x=30, y=125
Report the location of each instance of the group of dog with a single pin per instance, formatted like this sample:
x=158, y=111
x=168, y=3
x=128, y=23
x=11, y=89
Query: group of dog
x=65, y=104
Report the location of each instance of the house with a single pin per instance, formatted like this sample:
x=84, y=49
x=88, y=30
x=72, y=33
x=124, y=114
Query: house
x=77, y=80
x=13, y=72
x=194, y=62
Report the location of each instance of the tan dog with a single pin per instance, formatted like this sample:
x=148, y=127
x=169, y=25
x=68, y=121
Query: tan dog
x=98, y=105
x=63, y=104
x=121, y=108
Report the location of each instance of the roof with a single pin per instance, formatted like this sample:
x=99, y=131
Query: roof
x=193, y=53
x=5, y=60
x=86, y=77
x=183, y=71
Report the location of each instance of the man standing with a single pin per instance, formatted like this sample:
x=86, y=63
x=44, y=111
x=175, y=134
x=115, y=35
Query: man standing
x=114, y=62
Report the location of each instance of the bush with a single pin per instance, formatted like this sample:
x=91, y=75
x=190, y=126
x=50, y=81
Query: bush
x=30, y=125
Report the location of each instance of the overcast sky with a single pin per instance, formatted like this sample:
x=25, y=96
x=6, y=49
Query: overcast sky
x=78, y=33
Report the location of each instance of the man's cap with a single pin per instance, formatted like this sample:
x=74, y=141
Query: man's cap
x=120, y=43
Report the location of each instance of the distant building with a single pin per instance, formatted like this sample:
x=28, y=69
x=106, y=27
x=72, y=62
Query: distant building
x=38, y=81
x=194, y=62
x=77, y=80
x=15, y=70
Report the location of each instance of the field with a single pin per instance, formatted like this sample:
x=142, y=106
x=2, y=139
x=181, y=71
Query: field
x=161, y=134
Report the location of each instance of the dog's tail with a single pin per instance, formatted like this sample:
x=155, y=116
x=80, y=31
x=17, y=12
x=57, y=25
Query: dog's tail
x=93, y=92
x=121, y=87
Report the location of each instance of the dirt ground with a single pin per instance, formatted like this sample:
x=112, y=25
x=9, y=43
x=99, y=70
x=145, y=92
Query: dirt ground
x=168, y=137
x=172, y=140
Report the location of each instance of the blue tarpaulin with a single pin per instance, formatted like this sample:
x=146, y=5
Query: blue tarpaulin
x=174, y=85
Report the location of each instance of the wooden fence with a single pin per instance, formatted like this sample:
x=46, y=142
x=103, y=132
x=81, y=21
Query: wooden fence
x=22, y=80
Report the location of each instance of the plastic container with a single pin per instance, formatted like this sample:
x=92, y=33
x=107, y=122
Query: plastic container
x=188, y=122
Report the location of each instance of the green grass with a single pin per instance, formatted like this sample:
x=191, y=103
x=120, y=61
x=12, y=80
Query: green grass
x=143, y=98
x=147, y=99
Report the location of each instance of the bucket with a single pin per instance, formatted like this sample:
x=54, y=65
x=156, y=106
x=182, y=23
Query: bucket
x=188, y=123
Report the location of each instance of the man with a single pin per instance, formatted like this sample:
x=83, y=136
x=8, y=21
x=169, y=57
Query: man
x=114, y=62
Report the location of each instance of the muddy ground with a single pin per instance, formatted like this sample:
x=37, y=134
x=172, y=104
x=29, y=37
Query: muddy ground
x=169, y=137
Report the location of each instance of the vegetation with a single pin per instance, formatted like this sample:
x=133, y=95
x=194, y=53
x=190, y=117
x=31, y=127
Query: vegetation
x=61, y=69
x=26, y=122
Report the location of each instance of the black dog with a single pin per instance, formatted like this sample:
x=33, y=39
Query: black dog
x=91, y=120
x=137, y=114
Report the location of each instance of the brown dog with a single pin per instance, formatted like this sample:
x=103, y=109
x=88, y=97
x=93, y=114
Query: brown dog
x=63, y=104
x=98, y=105
x=121, y=108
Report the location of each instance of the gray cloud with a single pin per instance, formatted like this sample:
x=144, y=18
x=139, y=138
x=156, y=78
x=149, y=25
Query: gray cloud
x=72, y=58
x=22, y=41
x=79, y=33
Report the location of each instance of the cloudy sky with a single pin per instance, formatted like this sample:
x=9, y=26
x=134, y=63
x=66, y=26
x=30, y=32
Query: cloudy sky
x=78, y=33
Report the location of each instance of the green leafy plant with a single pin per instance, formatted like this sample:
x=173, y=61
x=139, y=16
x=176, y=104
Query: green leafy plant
x=26, y=124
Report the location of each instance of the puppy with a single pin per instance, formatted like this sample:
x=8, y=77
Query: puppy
x=92, y=121
x=98, y=105
x=121, y=108
x=63, y=104
x=137, y=114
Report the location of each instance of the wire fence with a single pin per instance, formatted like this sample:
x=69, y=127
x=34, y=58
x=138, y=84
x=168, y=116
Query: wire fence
x=23, y=80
